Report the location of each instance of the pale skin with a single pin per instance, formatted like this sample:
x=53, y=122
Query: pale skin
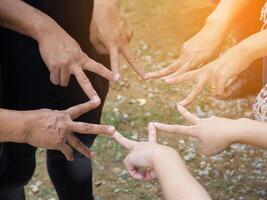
x=220, y=72
x=51, y=129
x=144, y=162
x=203, y=48
x=61, y=53
x=216, y=133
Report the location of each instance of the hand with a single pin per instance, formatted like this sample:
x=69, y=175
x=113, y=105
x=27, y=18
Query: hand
x=218, y=73
x=111, y=35
x=141, y=154
x=195, y=52
x=215, y=133
x=63, y=57
x=54, y=129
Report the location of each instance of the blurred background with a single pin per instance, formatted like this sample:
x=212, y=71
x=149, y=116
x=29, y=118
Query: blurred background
x=161, y=27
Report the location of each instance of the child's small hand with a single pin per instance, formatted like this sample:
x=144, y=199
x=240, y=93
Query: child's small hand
x=215, y=133
x=139, y=162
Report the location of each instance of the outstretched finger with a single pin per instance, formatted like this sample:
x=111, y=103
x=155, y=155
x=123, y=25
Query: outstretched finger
x=183, y=77
x=77, y=111
x=128, y=144
x=133, y=61
x=188, y=115
x=132, y=170
x=185, y=130
x=76, y=144
x=198, y=89
x=98, y=68
x=166, y=71
x=86, y=128
x=85, y=83
x=152, y=133
x=115, y=62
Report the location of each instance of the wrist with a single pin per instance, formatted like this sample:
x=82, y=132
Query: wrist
x=13, y=126
x=163, y=154
x=45, y=30
x=243, y=127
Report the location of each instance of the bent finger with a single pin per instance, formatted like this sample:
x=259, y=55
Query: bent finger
x=132, y=170
x=76, y=144
x=67, y=151
x=55, y=77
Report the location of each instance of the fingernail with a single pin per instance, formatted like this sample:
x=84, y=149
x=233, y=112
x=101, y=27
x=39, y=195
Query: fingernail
x=112, y=129
x=117, y=77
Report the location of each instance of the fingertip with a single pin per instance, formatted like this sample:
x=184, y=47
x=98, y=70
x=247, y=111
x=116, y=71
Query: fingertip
x=112, y=129
x=116, y=77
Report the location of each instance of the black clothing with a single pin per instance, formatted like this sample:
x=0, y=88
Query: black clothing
x=26, y=86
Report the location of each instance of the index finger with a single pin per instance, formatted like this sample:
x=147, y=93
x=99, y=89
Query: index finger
x=115, y=61
x=133, y=61
x=128, y=144
x=77, y=111
x=84, y=82
x=152, y=133
x=87, y=128
x=188, y=115
x=166, y=71
x=98, y=68
x=198, y=89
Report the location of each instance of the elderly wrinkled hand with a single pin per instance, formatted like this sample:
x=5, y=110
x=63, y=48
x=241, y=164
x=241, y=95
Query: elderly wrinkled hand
x=54, y=130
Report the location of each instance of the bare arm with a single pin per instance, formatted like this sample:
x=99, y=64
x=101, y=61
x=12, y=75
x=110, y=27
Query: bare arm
x=175, y=179
x=206, y=44
x=62, y=55
x=217, y=133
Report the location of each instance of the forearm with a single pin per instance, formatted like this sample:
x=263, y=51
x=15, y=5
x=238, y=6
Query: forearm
x=176, y=181
x=225, y=13
x=23, y=18
x=253, y=133
x=255, y=46
x=12, y=126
